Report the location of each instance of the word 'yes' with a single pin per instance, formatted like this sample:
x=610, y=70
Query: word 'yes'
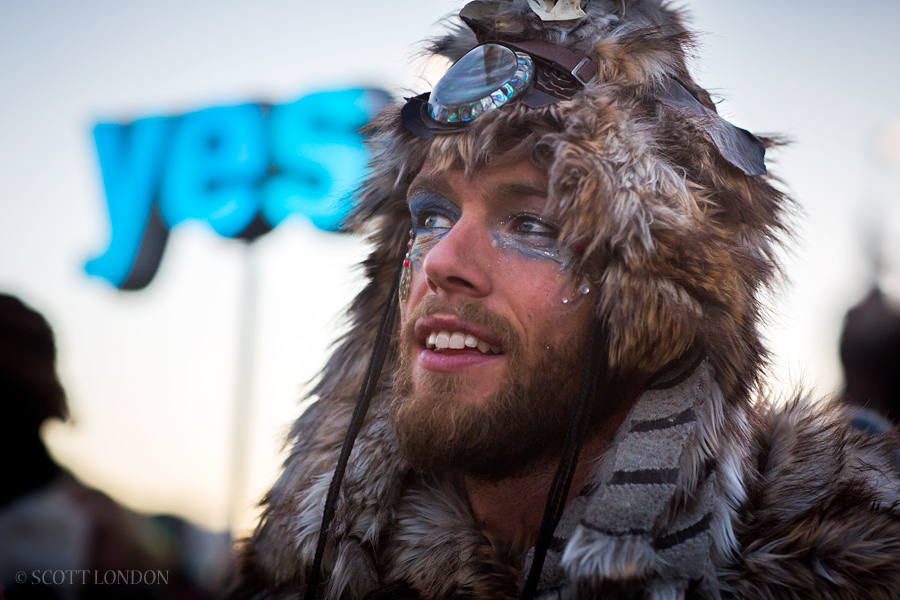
x=242, y=169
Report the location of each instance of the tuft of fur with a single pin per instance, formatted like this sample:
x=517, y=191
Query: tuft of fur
x=595, y=557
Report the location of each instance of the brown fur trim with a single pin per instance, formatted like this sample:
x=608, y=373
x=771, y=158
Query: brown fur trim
x=822, y=519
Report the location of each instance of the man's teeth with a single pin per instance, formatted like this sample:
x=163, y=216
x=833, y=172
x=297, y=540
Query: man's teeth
x=456, y=340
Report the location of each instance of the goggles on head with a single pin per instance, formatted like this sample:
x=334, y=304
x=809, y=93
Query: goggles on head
x=538, y=73
x=493, y=74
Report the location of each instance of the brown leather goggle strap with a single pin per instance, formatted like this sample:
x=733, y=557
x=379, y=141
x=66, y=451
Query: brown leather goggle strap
x=580, y=66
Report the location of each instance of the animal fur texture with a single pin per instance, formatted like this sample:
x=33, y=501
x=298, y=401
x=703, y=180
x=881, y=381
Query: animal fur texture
x=797, y=504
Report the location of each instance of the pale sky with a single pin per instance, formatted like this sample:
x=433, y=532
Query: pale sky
x=151, y=374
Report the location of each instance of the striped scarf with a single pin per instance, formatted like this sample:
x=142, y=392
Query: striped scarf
x=644, y=520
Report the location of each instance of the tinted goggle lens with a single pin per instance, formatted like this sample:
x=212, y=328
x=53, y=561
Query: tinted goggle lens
x=490, y=76
x=487, y=77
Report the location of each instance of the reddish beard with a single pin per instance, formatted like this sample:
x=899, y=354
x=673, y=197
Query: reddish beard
x=521, y=423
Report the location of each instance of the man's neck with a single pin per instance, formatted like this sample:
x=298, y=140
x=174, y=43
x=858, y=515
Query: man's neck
x=512, y=508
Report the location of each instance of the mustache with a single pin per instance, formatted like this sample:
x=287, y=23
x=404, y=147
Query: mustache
x=472, y=311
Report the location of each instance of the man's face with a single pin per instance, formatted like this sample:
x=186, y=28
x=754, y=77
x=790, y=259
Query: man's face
x=494, y=329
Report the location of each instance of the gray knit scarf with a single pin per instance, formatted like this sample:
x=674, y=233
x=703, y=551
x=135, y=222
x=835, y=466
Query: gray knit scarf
x=644, y=520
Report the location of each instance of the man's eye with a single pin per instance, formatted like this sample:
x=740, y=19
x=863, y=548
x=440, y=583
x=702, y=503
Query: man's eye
x=534, y=226
x=432, y=212
x=436, y=221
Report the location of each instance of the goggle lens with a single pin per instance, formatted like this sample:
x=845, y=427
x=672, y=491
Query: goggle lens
x=487, y=77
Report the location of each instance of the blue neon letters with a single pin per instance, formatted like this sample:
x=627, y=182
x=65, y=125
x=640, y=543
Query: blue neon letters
x=242, y=169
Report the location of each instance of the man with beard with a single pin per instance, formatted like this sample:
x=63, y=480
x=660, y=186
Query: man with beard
x=565, y=406
x=487, y=271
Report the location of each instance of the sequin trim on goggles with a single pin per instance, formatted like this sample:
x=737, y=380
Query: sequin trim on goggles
x=491, y=75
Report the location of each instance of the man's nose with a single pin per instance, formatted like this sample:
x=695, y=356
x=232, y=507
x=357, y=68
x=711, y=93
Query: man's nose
x=457, y=264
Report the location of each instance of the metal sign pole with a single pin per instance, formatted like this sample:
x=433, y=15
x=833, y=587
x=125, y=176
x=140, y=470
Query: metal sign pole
x=246, y=345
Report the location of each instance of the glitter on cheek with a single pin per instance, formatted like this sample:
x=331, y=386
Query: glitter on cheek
x=422, y=244
x=535, y=251
x=512, y=248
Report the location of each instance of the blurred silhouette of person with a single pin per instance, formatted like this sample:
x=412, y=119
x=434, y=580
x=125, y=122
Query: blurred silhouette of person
x=58, y=537
x=870, y=353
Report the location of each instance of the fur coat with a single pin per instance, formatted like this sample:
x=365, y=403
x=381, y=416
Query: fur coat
x=706, y=491
x=786, y=502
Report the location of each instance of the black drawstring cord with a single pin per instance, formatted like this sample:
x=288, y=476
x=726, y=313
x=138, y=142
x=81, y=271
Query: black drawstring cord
x=559, y=488
x=562, y=480
x=366, y=391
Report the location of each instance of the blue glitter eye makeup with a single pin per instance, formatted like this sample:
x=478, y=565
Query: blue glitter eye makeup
x=525, y=234
x=431, y=211
x=531, y=236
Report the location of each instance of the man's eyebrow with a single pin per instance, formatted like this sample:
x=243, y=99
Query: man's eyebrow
x=509, y=191
x=502, y=192
x=431, y=183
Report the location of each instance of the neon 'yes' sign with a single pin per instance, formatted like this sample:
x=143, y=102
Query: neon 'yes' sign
x=243, y=169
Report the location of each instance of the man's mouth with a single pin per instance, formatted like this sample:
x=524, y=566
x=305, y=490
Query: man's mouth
x=440, y=341
x=449, y=343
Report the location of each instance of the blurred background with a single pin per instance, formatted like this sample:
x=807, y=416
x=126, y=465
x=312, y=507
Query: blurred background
x=151, y=374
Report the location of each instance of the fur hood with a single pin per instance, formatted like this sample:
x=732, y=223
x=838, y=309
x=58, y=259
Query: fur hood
x=686, y=238
x=798, y=506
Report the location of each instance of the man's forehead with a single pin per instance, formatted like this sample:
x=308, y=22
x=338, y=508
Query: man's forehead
x=499, y=182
